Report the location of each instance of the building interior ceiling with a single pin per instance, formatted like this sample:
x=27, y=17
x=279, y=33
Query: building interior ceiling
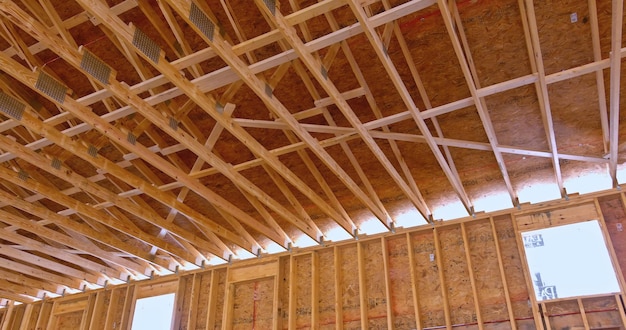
x=144, y=137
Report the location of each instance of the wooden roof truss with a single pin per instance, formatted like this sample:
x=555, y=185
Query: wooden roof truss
x=104, y=180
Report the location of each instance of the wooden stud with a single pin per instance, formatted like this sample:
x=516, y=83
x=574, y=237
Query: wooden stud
x=54, y=319
x=505, y=286
x=581, y=307
x=414, y=288
x=192, y=318
x=111, y=310
x=292, y=293
x=363, y=295
x=45, y=313
x=470, y=270
x=276, y=303
x=129, y=307
x=88, y=312
x=315, y=294
x=227, y=317
x=8, y=316
x=337, y=260
x=442, y=282
x=180, y=298
x=544, y=315
x=609, y=243
x=388, y=296
x=620, y=307
x=25, y=322
x=212, y=304
x=537, y=316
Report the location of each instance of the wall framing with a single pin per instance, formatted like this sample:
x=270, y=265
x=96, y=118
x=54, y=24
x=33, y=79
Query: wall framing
x=465, y=274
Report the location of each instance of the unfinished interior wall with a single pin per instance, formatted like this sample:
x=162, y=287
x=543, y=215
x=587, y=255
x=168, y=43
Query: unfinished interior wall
x=467, y=274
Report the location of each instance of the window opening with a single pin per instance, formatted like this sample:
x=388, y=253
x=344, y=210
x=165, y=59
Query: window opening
x=568, y=261
x=154, y=313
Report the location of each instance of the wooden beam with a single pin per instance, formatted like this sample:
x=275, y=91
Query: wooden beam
x=68, y=224
x=73, y=285
x=315, y=70
x=542, y=90
x=97, y=215
x=25, y=257
x=392, y=72
x=597, y=56
x=100, y=162
x=85, y=185
x=120, y=90
x=472, y=81
x=617, y=13
x=46, y=287
x=19, y=289
x=225, y=51
x=105, y=270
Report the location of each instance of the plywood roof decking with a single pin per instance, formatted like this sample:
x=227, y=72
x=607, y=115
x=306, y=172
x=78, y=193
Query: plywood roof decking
x=143, y=136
